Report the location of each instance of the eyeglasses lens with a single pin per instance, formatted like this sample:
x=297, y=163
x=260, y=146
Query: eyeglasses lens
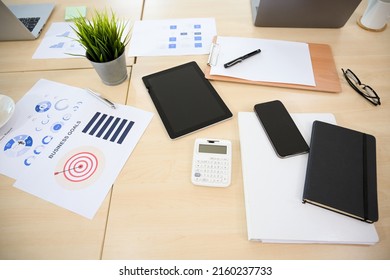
x=352, y=77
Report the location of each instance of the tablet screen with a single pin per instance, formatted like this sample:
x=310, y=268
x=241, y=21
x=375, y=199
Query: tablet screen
x=185, y=100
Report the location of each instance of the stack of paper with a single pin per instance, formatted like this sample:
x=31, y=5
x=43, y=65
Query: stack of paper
x=65, y=146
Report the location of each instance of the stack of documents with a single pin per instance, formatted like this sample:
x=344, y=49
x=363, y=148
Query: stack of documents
x=67, y=147
x=274, y=188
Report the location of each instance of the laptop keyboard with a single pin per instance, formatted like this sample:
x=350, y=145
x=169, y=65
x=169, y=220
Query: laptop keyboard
x=30, y=22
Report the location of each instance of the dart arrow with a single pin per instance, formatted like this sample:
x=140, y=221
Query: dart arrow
x=63, y=171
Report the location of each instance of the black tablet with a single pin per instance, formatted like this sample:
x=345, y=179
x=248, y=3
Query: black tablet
x=185, y=100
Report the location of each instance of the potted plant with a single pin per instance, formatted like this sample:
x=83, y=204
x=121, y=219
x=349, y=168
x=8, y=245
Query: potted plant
x=104, y=40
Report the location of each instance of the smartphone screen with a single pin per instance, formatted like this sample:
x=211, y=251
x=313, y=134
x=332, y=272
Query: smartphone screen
x=283, y=133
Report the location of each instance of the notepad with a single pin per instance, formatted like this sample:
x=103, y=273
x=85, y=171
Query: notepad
x=185, y=100
x=341, y=171
x=75, y=12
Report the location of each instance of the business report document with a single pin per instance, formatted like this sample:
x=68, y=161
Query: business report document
x=171, y=37
x=67, y=147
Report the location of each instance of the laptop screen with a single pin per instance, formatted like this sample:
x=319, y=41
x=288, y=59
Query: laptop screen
x=302, y=13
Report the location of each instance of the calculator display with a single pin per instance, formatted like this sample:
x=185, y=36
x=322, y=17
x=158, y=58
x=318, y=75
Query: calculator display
x=212, y=149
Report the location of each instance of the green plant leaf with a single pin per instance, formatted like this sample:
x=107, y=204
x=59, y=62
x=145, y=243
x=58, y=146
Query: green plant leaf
x=103, y=37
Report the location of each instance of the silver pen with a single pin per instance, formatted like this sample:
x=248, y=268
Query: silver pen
x=101, y=98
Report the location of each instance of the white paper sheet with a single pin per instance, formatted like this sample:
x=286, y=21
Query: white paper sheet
x=59, y=43
x=278, y=61
x=168, y=37
x=65, y=146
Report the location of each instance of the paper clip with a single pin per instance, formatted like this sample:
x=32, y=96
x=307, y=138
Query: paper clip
x=214, y=53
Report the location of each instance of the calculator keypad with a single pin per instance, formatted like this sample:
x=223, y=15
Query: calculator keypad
x=212, y=171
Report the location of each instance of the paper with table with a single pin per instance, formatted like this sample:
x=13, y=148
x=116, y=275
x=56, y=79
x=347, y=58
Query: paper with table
x=169, y=37
x=273, y=190
x=65, y=146
x=280, y=63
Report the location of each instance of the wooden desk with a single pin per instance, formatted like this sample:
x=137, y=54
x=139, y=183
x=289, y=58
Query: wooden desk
x=17, y=55
x=31, y=228
x=155, y=211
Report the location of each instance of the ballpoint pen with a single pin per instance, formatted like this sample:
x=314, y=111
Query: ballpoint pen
x=240, y=59
x=101, y=98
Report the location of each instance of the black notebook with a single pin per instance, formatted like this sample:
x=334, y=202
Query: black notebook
x=185, y=100
x=341, y=171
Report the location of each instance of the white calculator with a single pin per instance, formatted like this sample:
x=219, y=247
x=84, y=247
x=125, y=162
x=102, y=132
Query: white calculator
x=212, y=163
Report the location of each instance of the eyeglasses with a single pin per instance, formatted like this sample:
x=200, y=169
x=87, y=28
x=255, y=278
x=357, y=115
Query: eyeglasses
x=364, y=90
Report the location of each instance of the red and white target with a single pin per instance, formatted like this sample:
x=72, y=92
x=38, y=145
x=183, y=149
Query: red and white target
x=80, y=167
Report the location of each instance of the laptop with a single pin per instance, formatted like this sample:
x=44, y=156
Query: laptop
x=23, y=22
x=302, y=13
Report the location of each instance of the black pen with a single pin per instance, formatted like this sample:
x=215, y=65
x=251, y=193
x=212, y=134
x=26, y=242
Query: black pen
x=240, y=59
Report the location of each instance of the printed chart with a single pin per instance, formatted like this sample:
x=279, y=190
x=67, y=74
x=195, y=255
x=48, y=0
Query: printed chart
x=108, y=127
x=172, y=37
x=45, y=119
x=60, y=141
x=18, y=145
x=59, y=42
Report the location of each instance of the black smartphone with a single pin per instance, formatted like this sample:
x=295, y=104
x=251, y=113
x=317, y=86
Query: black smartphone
x=282, y=132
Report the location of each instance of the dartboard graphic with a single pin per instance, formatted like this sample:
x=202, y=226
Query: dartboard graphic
x=79, y=168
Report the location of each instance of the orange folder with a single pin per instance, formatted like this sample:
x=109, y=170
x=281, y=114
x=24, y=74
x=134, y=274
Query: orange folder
x=324, y=69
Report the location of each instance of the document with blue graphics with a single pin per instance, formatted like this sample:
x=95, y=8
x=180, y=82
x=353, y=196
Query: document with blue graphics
x=170, y=37
x=66, y=147
x=60, y=42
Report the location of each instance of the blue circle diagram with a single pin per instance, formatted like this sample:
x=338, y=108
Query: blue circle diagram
x=18, y=145
x=43, y=106
x=56, y=126
x=47, y=139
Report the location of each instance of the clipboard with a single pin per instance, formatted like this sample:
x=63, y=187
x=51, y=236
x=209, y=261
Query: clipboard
x=324, y=69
